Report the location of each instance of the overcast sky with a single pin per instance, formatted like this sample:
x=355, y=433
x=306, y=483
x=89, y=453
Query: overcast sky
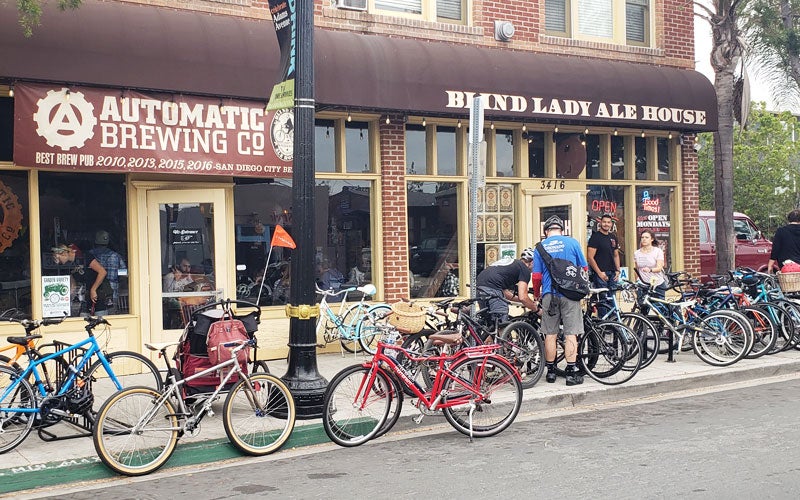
x=702, y=51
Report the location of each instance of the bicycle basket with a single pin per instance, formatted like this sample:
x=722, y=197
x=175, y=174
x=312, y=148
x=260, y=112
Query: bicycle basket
x=407, y=318
x=789, y=282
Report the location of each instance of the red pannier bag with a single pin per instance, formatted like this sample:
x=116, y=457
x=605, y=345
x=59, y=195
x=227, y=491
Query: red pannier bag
x=227, y=330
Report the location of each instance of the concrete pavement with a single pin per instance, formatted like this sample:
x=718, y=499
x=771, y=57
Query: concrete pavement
x=36, y=463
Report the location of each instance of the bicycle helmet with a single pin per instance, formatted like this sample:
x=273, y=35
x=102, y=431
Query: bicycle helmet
x=554, y=221
x=527, y=254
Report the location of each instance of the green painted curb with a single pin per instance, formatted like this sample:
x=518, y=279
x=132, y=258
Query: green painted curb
x=90, y=468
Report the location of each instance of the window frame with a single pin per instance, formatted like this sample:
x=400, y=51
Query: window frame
x=619, y=24
x=428, y=12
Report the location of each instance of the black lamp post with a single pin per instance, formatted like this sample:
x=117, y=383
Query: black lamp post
x=302, y=376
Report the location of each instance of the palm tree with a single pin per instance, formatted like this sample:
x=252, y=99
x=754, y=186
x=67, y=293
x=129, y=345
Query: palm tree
x=726, y=55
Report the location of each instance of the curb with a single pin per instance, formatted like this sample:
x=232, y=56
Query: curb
x=193, y=453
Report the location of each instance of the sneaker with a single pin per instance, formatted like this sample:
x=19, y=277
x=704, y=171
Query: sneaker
x=574, y=377
x=551, y=376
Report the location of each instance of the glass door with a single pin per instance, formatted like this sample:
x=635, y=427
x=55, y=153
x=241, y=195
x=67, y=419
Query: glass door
x=568, y=206
x=186, y=246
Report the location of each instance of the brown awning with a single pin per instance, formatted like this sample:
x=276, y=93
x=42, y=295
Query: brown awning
x=141, y=46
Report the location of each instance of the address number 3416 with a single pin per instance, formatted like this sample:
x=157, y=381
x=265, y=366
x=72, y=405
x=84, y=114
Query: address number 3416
x=553, y=185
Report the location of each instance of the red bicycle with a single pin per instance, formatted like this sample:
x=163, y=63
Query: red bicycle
x=478, y=391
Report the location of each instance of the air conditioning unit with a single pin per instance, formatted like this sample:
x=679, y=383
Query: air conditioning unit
x=352, y=4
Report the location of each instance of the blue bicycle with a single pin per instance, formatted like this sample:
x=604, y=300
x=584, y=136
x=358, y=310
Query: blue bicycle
x=67, y=385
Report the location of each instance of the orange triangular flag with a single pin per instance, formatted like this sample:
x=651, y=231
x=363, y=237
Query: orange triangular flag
x=280, y=238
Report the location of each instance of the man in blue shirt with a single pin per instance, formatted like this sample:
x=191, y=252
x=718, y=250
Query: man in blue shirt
x=558, y=309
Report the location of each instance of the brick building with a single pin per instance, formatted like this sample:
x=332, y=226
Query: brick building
x=146, y=120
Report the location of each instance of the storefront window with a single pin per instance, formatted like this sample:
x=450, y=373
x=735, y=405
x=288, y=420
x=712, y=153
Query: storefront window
x=640, y=157
x=324, y=146
x=433, y=238
x=445, y=150
x=592, y=156
x=504, y=153
x=356, y=136
x=653, y=213
x=83, y=217
x=607, y=200
x=535, y=154
x=15, y=250
x=416, y=159
x=570, y=155
x=342, y=228
x=617, y=157
x=662, y=150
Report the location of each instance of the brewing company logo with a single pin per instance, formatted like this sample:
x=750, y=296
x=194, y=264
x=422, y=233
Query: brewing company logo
x=282, y=134
x=65, y=119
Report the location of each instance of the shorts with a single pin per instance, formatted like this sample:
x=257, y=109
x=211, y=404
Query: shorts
x=565, y=311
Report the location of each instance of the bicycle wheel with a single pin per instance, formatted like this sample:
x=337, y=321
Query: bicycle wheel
x=15, y=425
x=522, y=345
x=355, y=408
x=368, y=334
x=647, y=333
x=136, y=431
x=719, y=340
x=395, y=405
x=484, y=395
x=606, y=349
x=131, y=369
x=259, y=367
x=748, y=335
x=259, y=414
x=349, y=339
x=765, y=331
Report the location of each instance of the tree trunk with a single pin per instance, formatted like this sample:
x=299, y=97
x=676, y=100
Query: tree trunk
x=725, y=56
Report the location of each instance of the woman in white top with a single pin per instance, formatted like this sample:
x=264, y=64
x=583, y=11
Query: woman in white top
x=649, y=259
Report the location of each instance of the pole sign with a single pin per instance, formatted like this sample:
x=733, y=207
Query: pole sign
x=476, y=177
x=284, y=13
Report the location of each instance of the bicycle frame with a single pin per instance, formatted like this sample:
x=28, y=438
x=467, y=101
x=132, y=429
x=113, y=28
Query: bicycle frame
x=431, y=400
x=660, y=306
x=32, y=369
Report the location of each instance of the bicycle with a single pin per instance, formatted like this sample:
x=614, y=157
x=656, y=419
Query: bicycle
x=478, y=392
x=31, y=397
x=138, y=428
x=351, y=324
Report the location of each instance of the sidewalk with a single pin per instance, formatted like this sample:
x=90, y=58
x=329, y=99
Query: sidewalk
x=36, y=463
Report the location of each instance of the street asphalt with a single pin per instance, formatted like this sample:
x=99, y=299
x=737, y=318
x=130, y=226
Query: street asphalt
x=37, y=463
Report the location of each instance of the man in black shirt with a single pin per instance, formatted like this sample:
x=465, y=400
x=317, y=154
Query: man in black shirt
x=603, y=258
x=786, y=243
x=497, y=283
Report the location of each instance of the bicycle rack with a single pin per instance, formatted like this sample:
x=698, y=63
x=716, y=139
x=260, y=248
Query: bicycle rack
x=82, y=424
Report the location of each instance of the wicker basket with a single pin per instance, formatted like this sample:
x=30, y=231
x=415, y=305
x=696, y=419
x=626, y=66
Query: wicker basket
x=789, y=282
x=407, y=318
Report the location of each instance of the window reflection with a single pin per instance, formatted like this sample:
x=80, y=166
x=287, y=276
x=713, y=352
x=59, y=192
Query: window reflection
x=617, y=157
x=662, y=152
x=535, y=154
x=433, y=237
x=416, y=162
x=592, y=156
x=15, y=251
x=324, y=146
x=357, y=147
x=640, y=159
x=504, y=153
x=445, y=150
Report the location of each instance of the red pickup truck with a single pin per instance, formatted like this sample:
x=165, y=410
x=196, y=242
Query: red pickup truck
x=751, y=248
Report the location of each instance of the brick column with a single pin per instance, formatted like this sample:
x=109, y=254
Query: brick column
x=691, y=206
x=393, y=206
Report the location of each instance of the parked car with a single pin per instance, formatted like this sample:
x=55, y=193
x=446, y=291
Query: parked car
x=423, y=258
x=751, y=248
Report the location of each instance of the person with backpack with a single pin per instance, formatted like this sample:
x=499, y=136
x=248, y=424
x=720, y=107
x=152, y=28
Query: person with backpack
x=497, y=284
x=560, y=271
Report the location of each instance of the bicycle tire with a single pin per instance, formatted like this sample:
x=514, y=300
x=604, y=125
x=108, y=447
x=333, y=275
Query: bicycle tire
x=765, y=331
x=132, y=369
x=15, y=427
x=793, y=311
x=349, y=419
x=602, y=353
x=259, y=366
x=523, y=347
x=747, y=334
x=499, y=392
x=395, y=406
x=259, y=414
x=366, y=331
x=135, y=453
x=647, y=333
x=5, y=360
x=714, y=341
x=350, y=341
x=784, y=323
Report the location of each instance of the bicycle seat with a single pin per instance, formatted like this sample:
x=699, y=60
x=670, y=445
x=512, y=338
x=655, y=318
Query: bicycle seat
x=368, y=289
x=598, y=290
x=445, y=338
x=158, y=346
x=23, y=341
